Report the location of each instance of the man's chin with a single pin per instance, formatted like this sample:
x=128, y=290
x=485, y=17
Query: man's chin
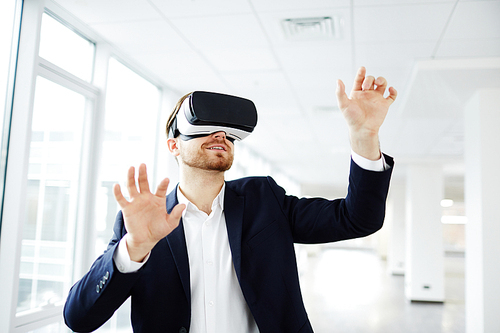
x=220, y=166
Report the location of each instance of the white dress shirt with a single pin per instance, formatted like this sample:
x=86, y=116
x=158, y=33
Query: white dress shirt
x=217, y=302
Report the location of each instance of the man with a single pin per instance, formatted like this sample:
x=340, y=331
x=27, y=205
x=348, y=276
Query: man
x=219, y=256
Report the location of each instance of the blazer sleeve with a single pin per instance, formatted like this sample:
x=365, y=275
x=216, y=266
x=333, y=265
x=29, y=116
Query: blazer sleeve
x=94, y=298
x=360, y=213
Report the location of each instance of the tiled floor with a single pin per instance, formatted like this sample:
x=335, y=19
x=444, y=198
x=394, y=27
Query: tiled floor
x=348, y=291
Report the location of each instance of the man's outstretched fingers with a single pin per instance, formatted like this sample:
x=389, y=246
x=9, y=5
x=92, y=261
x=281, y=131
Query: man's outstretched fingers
x=132, y=189
x=368, y=83
x=393, y=93
x=119, y=196
x=381, y=84
x=358, y=80
x=342, y=98
x=161, y=190
x=143, y=179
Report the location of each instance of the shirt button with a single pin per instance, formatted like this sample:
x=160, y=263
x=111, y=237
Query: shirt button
x=210, y=262
x=207, y=224
x=211, y=303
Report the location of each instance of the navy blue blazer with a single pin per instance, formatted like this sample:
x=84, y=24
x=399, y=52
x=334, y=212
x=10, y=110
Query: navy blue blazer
x=263, y=223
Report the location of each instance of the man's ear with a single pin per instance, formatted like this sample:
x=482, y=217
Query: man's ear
x=173, y=146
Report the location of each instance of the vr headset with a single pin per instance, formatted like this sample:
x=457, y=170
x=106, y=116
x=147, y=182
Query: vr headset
x=203, y=113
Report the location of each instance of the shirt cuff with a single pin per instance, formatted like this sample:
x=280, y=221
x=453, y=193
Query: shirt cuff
x=122, y=260
x=364, y=163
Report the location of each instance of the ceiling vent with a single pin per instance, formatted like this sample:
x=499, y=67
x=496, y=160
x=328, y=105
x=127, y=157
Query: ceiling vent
x=311, y=28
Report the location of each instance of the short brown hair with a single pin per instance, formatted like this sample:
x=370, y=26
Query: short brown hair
x=175, y=111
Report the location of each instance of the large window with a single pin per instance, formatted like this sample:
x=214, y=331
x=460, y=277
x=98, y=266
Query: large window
x=52, y=195
x=55, y=158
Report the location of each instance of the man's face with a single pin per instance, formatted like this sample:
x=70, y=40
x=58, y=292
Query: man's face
x=213, y=152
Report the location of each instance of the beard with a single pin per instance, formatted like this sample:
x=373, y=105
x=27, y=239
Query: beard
x=201, y=159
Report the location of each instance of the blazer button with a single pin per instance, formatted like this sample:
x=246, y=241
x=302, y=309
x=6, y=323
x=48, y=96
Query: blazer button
x=183, y=330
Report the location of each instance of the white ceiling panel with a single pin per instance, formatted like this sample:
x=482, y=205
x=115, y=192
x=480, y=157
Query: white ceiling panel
x=193, y=8
x=257, y=80
x=139, y=37
x=273, y=5
x=401, y=22
x=372, y=3
x=325, y=56
x=244, y=59
x=193, y=82
x=475, y=20
x=98, y=11
x=392, y=54
x=214, y=32
x=270, y=91
x=469, y=48
x=173, y=65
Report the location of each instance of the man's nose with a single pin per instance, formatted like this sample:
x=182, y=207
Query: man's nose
x=219, y=135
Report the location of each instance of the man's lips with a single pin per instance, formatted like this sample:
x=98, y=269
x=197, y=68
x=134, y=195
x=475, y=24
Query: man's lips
x=217, y=147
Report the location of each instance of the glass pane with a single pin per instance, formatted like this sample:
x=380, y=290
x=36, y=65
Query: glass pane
x=65, y=48
x=132, y=105
x=51, y=198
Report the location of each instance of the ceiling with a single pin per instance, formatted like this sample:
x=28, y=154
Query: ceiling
x=240, y=47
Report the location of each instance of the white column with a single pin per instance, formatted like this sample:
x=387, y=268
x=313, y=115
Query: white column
x=424, y=276
x=482, y=199
x=396, y=223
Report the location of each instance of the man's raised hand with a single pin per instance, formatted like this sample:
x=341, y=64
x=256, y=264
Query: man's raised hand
x=365, y=110
x=145, y=215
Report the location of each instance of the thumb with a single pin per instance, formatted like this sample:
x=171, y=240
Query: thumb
x=176, y=213
x=342, y=98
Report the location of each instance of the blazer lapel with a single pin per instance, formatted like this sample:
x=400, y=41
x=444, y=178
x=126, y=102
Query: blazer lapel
x=177, y=243
x=233, y=210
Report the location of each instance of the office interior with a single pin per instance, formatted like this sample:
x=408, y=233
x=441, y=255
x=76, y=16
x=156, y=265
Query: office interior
x=86, y=87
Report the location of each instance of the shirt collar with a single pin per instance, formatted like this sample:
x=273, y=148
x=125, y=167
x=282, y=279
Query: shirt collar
x=218, y=201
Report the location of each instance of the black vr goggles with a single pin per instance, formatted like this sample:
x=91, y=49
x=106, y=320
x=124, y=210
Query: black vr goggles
x=203, y=113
